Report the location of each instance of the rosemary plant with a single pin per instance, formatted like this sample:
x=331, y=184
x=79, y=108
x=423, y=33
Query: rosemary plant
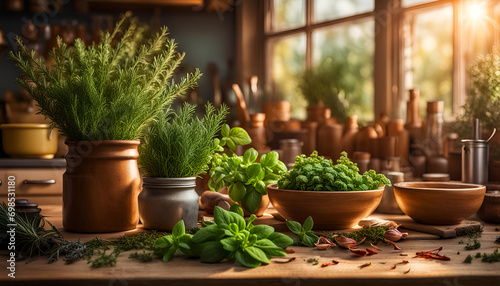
x=105, y=91
x=180, y=145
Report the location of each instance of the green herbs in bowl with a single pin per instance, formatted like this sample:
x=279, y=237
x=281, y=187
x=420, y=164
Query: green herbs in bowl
x=335, y=196
x=315, y=173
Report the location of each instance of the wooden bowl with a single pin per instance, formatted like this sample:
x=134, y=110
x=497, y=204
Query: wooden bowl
x=439, y=203
x=490, y=209
x=329, y=210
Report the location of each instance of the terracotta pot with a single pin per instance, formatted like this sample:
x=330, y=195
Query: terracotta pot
x=101, y=186
x=319, y=113
x=279, y=110
x=165, y=201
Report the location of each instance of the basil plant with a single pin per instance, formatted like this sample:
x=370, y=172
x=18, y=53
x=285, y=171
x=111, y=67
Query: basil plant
x=245, y=178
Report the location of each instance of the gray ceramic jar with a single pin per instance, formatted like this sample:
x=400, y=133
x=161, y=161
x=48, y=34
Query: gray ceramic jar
x=165, y=201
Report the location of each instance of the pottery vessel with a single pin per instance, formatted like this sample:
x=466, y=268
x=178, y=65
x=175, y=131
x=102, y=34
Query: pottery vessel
x=490, y=209
x=439, y=203
x=101, y=185
x=329, y=210
x=165, y=201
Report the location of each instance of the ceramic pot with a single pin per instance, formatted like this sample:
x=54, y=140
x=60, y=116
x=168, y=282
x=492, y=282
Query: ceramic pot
x=101, y=185
x=264, y=204
x=165, y=201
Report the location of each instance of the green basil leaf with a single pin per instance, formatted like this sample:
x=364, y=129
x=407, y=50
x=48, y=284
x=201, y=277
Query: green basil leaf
x=209, y=233
x=223, y=142
x=280, y=239
x=250, y=156
x=224, y=131
x=294, y=227
x=246, y=260
x=253, y=170
x=270, y=248
x=179, y=229
x=215, y=186
x=164, y=241
x=184, y=246
x=240, y=176
x=270, y=159
x=262, y=231
x=257, y=254
x=251, y=201
x=230, y=144
x=230, y=244
x=239, y=136
x=213, y=252
x=250, y=220
x=169, y=254
x=308, y=239
x=221, y=216
x=236, y=208
x=188, y=246
x=237, y=191
x=260, y=186
x=308, y=224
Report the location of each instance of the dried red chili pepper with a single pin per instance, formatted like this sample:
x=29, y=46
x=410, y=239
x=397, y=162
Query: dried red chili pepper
x=289, y=251
x=370, y=251
x=432, y=254
x=334, y=262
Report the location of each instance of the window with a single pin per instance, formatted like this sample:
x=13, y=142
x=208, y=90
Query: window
x=303, y=33
x=424, y=44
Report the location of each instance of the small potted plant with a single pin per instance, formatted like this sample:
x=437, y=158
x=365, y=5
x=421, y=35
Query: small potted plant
x=100, y=97
x=324, y=87
x=174, y=150
x=244, y=177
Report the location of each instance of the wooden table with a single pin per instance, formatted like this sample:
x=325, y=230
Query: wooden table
x=185, y=271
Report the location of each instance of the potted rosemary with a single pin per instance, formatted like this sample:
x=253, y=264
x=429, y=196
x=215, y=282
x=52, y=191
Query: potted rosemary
x=174, y=150
x=100, y=97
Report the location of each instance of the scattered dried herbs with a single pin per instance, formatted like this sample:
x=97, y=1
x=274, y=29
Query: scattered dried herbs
x=490, y=258
x=314, y=261
x=103, y=259
x=371, y=234
x=143, y=257
x=145, y=240
x=475, y=245
x=432, y=254
x=365, y=265
x=468, y=259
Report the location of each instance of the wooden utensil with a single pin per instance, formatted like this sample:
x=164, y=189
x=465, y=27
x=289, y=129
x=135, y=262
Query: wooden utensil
x=243, y=115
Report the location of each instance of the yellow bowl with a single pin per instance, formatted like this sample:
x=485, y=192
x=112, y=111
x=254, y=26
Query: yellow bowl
x=27, y=140
x=439, y=203
x=329, y=210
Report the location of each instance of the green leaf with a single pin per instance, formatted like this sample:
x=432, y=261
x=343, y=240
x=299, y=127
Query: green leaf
x=309, y=239
x=250, y=156
x=221, y=216
x=209, y=233
x=239, y=136
x=308, y=224
x=236, y=208
x=260, y=186
x=262, y=231
x=280, y=239
x=257, y=254
x=250, y=220
x=213, y=252
x=270, y=248
x=164, y=241
x=224, y=131
x=179, y=229
x=230, y=144
x=253, y=170
x=230, y=244
x=169, y=254
x=246, y=260
x=251, y=201
x=294, y=227
x=237, y=191
x=270, y=159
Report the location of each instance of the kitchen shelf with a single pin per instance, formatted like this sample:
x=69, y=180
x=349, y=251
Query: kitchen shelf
x=32, y=163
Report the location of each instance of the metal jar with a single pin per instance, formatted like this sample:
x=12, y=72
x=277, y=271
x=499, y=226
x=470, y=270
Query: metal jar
x=165, y=201
x=475, y=161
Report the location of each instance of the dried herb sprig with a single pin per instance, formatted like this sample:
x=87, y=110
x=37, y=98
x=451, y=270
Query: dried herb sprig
x=143, y=257
x=372, y=234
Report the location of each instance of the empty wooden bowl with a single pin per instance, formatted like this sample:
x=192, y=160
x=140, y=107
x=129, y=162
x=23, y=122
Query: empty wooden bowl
x=439, y=203
x=329, y=210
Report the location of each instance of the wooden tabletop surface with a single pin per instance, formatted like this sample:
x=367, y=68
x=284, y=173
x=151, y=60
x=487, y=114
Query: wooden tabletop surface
x=185, y=271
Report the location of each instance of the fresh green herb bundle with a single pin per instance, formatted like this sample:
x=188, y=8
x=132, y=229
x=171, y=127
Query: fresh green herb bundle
x=180, y=145
x=105, y=91
x=32, y=239
x=370, y=234
x=315, y=173
x=231, y=237
x=245, y=179
x=305, y=235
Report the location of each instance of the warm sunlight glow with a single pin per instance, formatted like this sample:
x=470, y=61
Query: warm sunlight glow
x=476, y=10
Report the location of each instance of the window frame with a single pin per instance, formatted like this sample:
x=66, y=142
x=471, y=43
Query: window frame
x=389, y=94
